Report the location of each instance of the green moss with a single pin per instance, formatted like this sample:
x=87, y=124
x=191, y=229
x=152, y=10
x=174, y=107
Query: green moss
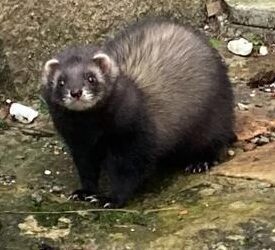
x=42, y=108
x=215, y=43
x=3, y=124
x=47, y=220
x=256, y=40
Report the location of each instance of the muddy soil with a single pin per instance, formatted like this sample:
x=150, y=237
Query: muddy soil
x=230, y=207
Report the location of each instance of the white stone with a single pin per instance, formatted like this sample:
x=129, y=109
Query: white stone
x=47, y=172
x=22, y=113
x=263, y=50
x=240, y=47
x=242, y=107
x=231, y=152
x=206, y=27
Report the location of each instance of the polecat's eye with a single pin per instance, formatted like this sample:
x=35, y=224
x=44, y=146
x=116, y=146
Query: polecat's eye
x=61, y=82
x=91, y=79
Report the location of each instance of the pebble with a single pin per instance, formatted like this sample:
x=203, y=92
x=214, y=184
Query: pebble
x=254, y=140
x=231, y=152
x=37, y=197
x=236, y=237
x=263, y=185
x=242, y=107
x=206, y=27
x=220, y=246
x=64, y=220
x=62, y=196
x=253, y=93
x=56, y=189
x=240, y=47
x=7, y=179
x=263, y=50
x=47, y=172
x=56, y=152
x=263, y=140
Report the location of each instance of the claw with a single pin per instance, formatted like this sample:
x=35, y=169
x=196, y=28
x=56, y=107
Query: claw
x=206, y=166
x=92, y=199
x=107, y=205
x=84, y=195
x=198, y=168
x=73, y=197
x=95, y=200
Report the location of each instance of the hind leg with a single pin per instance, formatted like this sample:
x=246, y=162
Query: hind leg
x=192, y=160
x=203, y=159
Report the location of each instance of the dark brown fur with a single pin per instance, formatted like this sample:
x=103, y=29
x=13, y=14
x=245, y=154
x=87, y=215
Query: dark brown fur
x=161, y=92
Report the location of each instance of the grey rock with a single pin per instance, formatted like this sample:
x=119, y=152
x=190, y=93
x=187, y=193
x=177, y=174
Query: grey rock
x=252, y=13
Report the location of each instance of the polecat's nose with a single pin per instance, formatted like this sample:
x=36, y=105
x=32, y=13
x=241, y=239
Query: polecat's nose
x=76, y=93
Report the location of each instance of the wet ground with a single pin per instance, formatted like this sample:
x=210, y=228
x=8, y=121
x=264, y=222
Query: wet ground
x=230, y=207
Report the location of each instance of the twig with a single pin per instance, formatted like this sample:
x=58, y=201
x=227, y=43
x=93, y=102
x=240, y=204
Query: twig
x=96, y=210
x=72, y=211
x=33, y=131
x=157, y=210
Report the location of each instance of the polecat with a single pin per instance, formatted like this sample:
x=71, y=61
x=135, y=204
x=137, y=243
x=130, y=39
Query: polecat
x=156, y=90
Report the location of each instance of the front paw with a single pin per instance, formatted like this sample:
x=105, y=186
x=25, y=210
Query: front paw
x=89, y=196
x=102, y=201
x=82, y=195
x=197, y=168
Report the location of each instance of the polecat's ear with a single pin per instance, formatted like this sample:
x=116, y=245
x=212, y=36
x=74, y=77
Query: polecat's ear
x=49, y=68
x=106, y=64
